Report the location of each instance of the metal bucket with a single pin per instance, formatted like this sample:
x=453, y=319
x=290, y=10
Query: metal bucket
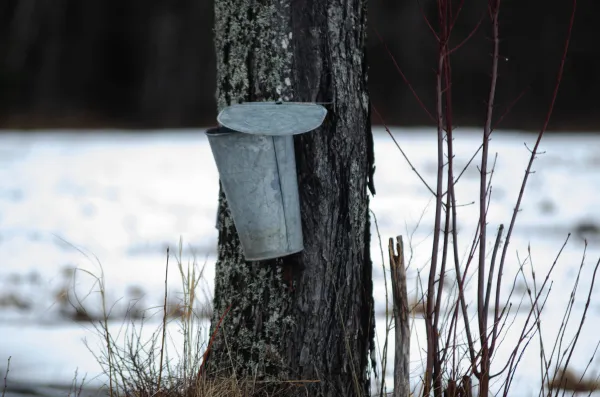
x=257, y=168
x=258, y=175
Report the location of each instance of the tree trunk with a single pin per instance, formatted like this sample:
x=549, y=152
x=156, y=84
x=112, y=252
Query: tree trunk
x=310, y=315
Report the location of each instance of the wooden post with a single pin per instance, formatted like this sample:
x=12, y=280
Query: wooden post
x=402, y=329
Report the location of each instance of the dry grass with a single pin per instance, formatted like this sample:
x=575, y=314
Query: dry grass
x=75, y=389
x=6, y=377
x=138, y=366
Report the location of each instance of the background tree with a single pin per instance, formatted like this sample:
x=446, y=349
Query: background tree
x=309, y=315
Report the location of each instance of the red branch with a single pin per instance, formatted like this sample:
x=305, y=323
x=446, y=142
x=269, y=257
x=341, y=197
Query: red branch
x=410, y=87
x=531, y=159
x=212, y=339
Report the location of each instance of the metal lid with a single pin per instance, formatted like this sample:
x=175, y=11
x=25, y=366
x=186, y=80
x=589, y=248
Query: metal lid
x=273, y=118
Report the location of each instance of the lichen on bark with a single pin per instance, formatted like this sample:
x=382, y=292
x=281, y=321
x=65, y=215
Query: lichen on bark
x=254, y=56
x=254, y=60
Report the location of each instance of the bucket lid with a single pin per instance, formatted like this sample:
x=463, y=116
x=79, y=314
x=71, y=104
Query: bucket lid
x=273, y=118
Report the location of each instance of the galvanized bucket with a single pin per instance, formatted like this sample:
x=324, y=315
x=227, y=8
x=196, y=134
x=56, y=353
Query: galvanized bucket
x=254, y=153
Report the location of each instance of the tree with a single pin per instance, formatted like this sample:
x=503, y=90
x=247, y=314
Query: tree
x=310, y=315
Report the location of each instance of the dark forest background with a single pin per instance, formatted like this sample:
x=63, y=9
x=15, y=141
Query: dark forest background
x=150, y=63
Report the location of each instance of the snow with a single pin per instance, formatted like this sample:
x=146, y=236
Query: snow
x=111, y=203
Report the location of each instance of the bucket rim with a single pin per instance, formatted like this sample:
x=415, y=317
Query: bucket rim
x=219, y=131
x=273, y=118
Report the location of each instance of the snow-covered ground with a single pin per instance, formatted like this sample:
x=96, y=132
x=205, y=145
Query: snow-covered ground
x=114, y=202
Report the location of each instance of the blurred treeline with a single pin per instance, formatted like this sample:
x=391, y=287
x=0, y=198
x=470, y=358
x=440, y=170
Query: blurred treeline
x=150, y=63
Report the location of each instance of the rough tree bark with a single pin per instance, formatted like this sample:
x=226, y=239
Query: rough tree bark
x=310, y=315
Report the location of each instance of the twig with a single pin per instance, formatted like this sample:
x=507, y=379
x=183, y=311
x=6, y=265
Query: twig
x=430, y=331
x=583, y=316
x=488, y=292
x=588, y=365
x=455, y=17
x=387, y=325
x=535, y=148
x=212, y=339
x=442, y=272
x=511, y=362
x=538, y=321
x=471, y=34
x=164, y=330
x=509, y=108
x=431, y=29
x=567, y=314
x=410, y=87
x=402, y=151
x=494, y=6
x=450, y=206
x=6, y=376
x=80, y=388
